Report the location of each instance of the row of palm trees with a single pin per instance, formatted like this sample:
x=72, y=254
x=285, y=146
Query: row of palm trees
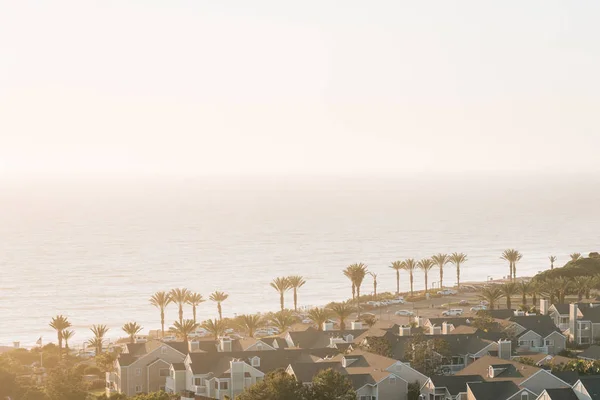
x=285, y=283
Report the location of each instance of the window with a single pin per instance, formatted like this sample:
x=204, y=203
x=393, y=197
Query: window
x=223, y=385
x=392, y=380
x=259, y=346
x=522, y=343
x=163, y=372
x=259, y=378
x=256, y=362
x=138, y=372
x=199, y=382
x=368, y=398
x=163, y=350
x=524, y=396
x=584, y=340
x=548, y=342
x=138, y=388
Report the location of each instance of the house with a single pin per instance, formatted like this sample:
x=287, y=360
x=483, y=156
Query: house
x=584, y=323
x=591, y=353
x=218, y=374
x=532, y=378
x=441, y=387
x=312, y=338
x=558, y=394
x=144, y=367
x=587, y=388
x=537, y=333
x=558, y=312
x=499, y=390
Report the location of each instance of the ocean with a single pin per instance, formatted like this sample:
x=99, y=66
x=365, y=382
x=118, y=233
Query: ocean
x=96, y=250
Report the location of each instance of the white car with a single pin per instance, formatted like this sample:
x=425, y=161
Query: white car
x=479, y=308
x=397, y=301
x=447, y=292
x=453, y=312
x=405, y=313
x=307, y=321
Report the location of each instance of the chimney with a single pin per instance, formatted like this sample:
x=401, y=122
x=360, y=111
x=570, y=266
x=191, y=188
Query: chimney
x=504, y=349
x=573, y=309
x=224, y=344
x=404, y=330
x=435, y=330
x=544, y=306
x=356, y=325
x=237, y=376
x=346, y=361
x=194, y=346
x=327, y=326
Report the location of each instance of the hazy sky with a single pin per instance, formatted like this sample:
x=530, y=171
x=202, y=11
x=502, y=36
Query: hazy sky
x=104, y=87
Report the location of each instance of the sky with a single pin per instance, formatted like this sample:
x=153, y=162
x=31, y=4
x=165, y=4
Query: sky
x=198, y=87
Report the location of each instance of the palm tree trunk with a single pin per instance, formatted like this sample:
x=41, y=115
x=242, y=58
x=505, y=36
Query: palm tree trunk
x=59, y=344
x=397, y=282
x=411, y=283
x=358, y=302
x=579, y=296
x=353, y=291
x=458, y=275
x=162, y=321
x=524, y=299
x=180, y=313
x=194, y=312
x=375, y=288
x=281, y=300
x=508, y=303
x=295, y=299
x=425, y=282
x=131, y=339
x=441, y=277
x=534, y=298
x=220, y=311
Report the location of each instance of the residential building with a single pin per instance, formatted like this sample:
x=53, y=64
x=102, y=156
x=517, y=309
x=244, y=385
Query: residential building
x=587, y=388
x=558, y=394
x=592, y=353
x=537, y=333
x=500, y=390
x=442, y=387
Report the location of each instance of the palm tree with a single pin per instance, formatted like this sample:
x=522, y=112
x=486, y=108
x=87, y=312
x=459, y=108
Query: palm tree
x=552, y=260
x=161, y=300
x=250, y=323
x=296, y=282
x=563, y=287
x=535, y=290
x=59, y=323
x=410, y=265
x=491, y=294
x=180, y=297
x=425, y=265
x=512, y=256
x=575, y=256
x=184, y=329
x=524, y=287
x=132, y=329
x=457, y=259
x=282, y=285
x=195, y=299
x=283, y=320
x=374, y=275
x=397, y=266
x=581, y=284
x=319, y=316
x=99, y=331
x=95, y=343
x=67, y=335
x=342, y=311
x=216, y=327
x=441, y=260
x=356, y=273
x=549, y=289
x=508, y=290
x=219, y=297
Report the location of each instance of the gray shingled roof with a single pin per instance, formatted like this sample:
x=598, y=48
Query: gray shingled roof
x=562, y=394
x=457, y=344
x=179, y=366
x=305, y=372
x=543, y=325
x=592, y=352
x=314, y=339
x=592, y=385
x=571, y=377
x=454, y=384
x=500, y=390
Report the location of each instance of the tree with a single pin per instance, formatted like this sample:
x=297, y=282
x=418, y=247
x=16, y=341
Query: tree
x=67, y=335
x=575, y=256
x=508, y=290
x=283, y=320
x=331, y=385
x=65, y=384
x=132, y=329
x=425, y=265
x=457, y=259
x=370, y=320
x=397, y=266
x=378, y=345
x=96, y=343
x=563, y=286
x=99, y=332
x=319, y=316
x=427, y=355
x=491, y=294
x=524, y=287
x=581, y=285
x=277, y=385
x=161, y=300
x=296, y=282
x=374, y=275
x=441, y=260
x=8, y=383
x=512, y=256
x=483, y=321
x=105, y=361
x=534, y=290
x=356, y=273
x=194, y=300
x=342, y=311
x=549, y=289
x=160, y=395
x=179, y=296
x=184, y=329
x=410, y=265
x=219, y=297
x=60, y=323
x=552, y=261
x=281, y=285
x=414, y=391
x=250, y=323
x=216, y=327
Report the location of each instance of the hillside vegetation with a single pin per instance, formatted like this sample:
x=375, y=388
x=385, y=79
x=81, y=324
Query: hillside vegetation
x=586, y=266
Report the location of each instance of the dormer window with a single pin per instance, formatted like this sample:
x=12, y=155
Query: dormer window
x=255, y=362
x=259, y=346
x=524, y=396
x=349, y=338
x=163, y=350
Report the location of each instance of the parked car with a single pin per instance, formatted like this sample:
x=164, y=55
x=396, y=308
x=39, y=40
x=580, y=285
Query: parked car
x=453, y=312
x=307, y=321
x=479, y=308
x=405, y=313
x=463, y=303
x=397, y=301
x=484, y=302
x=447, y=292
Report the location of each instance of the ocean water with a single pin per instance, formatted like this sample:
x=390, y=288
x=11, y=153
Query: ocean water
x=97, y=250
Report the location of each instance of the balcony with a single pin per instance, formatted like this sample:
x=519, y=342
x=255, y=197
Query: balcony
x=201, y=390
x=170, y=385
